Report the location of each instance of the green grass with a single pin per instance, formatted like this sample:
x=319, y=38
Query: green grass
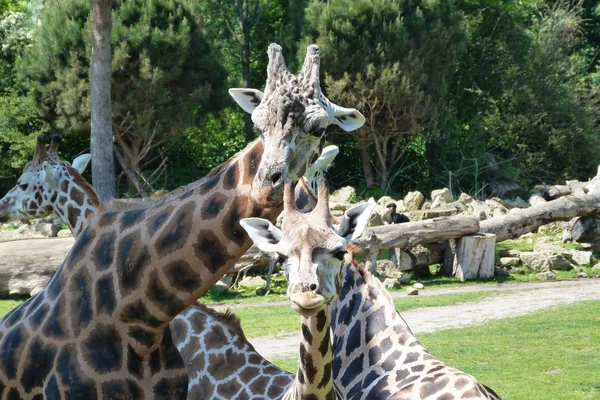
x=548, y=355
x=271, y=320
x=7, y=305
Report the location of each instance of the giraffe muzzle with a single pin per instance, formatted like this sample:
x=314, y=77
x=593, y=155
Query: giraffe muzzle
x=307, y=303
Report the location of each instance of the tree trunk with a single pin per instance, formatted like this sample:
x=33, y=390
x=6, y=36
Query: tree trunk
x=474, y=257
x=101, y=146
x=527, y=220
x=365, y=159
x=245, y=55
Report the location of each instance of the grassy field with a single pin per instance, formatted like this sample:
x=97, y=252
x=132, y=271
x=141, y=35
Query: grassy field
x=549, y=355
x=270, y=320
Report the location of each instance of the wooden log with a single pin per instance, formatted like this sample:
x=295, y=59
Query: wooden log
x=527, y=220
x=410, y=234
x=474, y=257
x=558, y=191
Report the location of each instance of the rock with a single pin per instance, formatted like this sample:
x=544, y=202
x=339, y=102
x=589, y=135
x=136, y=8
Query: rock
x=387, y=269
x=559, y=262
x=64, y=233
x=496, y=207
x=343, y=195
x=581, y=273
x=509, y=253
x=391, y=283
x=516, y=203
x=420, y=215
x=339, y=205
x=538, y=262
x=509, y=261
x=465, y=199
x=418, y=285
x=546, y=276
x=219, y=288
x=500, y=272
x=380, y=214
x=550, y=248
x=519, y=271
x=480, y=210
x=553, y=228
x=385, y=200
x=581, y=257
x=405, y=279
x=426, y=206
x=252, y=282
x=414, y=201
x=442, y=195
x=261, y=291
x=411, y=291
x=596, y=270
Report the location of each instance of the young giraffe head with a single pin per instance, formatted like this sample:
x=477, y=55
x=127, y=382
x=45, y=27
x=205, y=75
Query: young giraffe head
x=310, y=247
x=291, y=117
x=44, y=183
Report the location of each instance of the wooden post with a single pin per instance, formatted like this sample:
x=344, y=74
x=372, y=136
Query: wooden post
x=474, y=256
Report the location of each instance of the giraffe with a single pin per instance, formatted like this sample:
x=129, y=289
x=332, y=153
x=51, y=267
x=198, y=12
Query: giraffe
x=311, y=250
x=100, y=327
x=376, y=355
x=48, y=185
x=189, y=329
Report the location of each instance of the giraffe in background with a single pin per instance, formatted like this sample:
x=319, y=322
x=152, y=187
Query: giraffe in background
x=100, y=326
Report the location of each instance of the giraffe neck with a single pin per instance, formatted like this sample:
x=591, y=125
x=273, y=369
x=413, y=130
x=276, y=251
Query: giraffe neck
x=75, y=201
x=314, y=377
x=145, y=266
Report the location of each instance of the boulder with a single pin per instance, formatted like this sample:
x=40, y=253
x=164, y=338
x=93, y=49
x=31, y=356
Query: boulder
x=404, y=279
x=465, y=199
x=420, y=215
x=509, y=253
x=538, y=262
x=391, y=283
x=387, y=269
x=581, y=273
x=519, y=271
x=550, y=248
x=479, y=209
x=516, y=203
x=546, y=276
x=63, y=233
x=536, y=199
x=581, y=257
x=443, y=196
x=343, y=195
x=252, y=282
x=385, y=200
x=418, y=285
x=497, y=209
x=509, y=261
x=411, y=291
x=596, y=270
x=559, y=262
x=414, y=201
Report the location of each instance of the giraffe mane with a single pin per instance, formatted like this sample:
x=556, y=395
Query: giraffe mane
x=227, y=317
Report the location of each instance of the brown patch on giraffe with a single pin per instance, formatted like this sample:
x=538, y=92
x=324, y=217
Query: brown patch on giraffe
x=90, y=193
x=173, y=235
x=182, y=277
x=102, y=349
x=229, y=389
x=64, y=186
x=53, y=197
x=132, y=259
x=221, y=366
x=211, y=251
x=231, y=177
x=107, y=218
x=259, y=384
x=80, y=299
x=210, y=182
x=154, y=222
x=213, y=205
x=73, y=215
x=77, y=196
x=137, y=312
x=430, y=388
x=240, y=208
x=251, y=163
x=214, y=339
x=162, y=298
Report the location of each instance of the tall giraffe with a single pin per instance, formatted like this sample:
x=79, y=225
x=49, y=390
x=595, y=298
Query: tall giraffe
x=100, y=327
x=376, y=355
x=199, y=333
x=312, y=251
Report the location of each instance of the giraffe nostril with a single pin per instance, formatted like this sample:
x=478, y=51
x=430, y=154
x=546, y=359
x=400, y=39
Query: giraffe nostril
x=313, y=287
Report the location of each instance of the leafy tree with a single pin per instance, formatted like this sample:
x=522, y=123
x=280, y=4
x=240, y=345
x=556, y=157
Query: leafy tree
x=164, y=75
x=390, y=59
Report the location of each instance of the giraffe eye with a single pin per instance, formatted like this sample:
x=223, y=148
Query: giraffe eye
x=280, y=259
x=319, y=130
x=340, y=254
x=23, y=186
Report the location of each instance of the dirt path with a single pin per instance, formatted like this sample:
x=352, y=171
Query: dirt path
x=518, y=299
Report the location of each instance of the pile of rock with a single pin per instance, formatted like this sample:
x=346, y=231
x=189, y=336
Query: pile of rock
x=36, y=229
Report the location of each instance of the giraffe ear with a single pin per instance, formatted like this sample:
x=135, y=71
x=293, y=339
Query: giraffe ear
x=80, y=163
x=349, y=119
x=52, y=175
x=263, y=233
x=355, y=220
x=248, y=99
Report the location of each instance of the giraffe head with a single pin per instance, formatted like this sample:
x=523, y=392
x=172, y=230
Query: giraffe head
x=310, y=247
x=291, y=118
x=39, y=186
